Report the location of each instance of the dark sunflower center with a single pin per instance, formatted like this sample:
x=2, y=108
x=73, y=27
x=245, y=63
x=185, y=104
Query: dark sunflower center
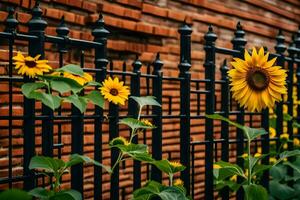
x=30, y=64
x=258, y=79
x=114, y=92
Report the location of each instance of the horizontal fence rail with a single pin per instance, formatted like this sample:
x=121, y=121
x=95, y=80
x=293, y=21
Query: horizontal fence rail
x=50, y=125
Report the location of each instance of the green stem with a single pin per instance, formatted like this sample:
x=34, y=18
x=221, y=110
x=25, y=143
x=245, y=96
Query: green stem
x=140, y=112
x=132, y=134
x=117, y=161
x=171, y=179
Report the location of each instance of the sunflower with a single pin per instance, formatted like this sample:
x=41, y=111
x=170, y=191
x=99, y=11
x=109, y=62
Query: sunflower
x=284, y=137
x=233, y=178
x=114, y=91
x=216, y=166
x=272, y=160
x=30, y=66
x=256, y=83
x=82, y=80
x=119, y=140
x=296, y=142
x=146, y=122
x=175, y=164
x=178, y=182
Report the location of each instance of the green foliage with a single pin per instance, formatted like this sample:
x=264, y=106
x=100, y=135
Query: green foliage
x=227, y=169
x=145, y=101
x=154, y=189
x=135, y=124
x=56, y=167
x=135, y=151
x=167, y=167
x=48, y=88
x=14, y=194
x=280, y=186
x=70, y=68
x=255, y=192
x=44, y=194
x=250, y=133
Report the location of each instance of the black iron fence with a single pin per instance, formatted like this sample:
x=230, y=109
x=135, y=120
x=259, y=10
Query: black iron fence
x=203, y=90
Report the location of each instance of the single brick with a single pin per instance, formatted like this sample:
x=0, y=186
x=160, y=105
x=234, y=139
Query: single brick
x=133, y=14
x=144, y=27
x=133, y=3
x=90, y=6
x=75, y=3
x=154, y=10
x=176, y=15
x=113, y=9
x=159, y=30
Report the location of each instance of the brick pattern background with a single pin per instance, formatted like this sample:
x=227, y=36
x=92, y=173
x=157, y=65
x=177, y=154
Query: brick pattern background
x=141, y=27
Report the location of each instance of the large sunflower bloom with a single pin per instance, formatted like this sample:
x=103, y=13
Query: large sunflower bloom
x=256, y=83
x=115, y=91
x=82, y=80
x=30, y=66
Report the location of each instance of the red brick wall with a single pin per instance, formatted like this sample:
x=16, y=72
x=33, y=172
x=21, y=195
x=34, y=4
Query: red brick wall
x=144, y=28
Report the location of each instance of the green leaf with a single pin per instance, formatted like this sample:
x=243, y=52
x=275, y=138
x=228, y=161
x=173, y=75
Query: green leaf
x=287, y=117
x=171, y=193
x=281, y=191
x=55, y=82
x=27, y=88
x=146, y=101
x=40, y=193
x=73, y=69
x=220, y=117
x=296, y=124
x=77, y=101
x=233, y=168
x=250, y=133
x=93, y=83
x=14, y=194
x=155, y=189
x=222, y=174
x=77, y=159
x=46, y=163
x=167, y=167
x=259, y=169
x=293, y=166
x=255, y=192
x=135, y=124
x=136, y=151
x=96, y=98
x=52, y=101
x=60, y=86
x=287, y=154
x=67, y=195
x=278, y=172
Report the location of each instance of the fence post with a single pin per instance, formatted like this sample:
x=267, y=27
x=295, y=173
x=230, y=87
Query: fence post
x=297, y=41
x=100, y=35
x=209, y=64
x=292, y=50
x=135, y=91
x=36, y=27
x=225, y=96
x=280, y=49
x=77, y=140
x=184, y=66
x=239, y=43
x=157, y=120
x=11, y=25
